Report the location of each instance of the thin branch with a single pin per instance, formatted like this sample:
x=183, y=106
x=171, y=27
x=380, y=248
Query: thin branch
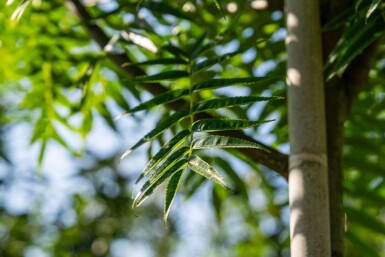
x=274, y=160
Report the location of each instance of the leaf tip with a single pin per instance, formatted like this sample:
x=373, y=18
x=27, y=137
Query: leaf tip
x=121, y=116
x=125, y=154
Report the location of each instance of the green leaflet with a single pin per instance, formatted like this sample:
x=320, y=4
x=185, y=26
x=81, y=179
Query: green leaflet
x=162, y=126
x=172, y=188
x=176, y=51
x=167, y=75
x=218, y=83
x=219, y=6
x=195, y=49
x=219, y=38
x=163, y=61
x=167, y=97
x=220, y=124
x=201, y=167
x=224, y=142
x=163, y=152
x=229, y=102
x=210, y=62
x=142, y=196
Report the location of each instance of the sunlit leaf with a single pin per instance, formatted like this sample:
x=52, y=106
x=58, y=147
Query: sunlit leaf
x=220, y=124
x=374, y=5
x=211, y=141
x=201, y=167
x=139, y=40
x=172, y=188
x=16, y=15
x=229, y=102
x=162, y=126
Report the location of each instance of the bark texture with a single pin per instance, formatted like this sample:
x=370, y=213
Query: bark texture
x=308, y=181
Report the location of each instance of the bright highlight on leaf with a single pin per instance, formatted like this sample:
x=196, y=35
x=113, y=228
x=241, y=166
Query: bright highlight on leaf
x=212, y=141
x=201, y=167
x=19, y=11
x=216, y=124
x=139, y=40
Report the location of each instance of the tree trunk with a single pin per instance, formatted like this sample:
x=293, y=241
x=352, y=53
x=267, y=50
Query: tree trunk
x=308, y=180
